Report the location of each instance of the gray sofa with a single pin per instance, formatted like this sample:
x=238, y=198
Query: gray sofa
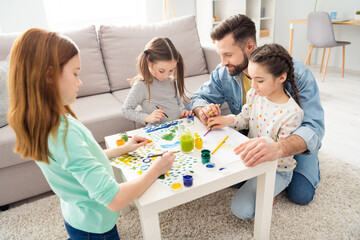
x=108, y=59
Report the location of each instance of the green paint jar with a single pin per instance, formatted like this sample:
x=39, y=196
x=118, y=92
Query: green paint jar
x=125, y=137
x=205, y=156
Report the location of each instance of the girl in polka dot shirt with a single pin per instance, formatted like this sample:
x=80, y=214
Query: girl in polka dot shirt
x=270, y=111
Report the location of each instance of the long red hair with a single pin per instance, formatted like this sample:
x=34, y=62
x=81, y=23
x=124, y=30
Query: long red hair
x=36, y=62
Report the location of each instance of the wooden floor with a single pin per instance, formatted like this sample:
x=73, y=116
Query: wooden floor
x=340, y=98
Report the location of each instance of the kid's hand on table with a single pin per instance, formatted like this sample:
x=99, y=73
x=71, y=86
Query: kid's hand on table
x=186, y=113
x=165, y=163
x=219, y=122
x=135, y=143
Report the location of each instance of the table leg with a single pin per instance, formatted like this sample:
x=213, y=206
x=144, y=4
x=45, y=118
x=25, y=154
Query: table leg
x=150, y=226
x=291, y=37
x=264, y=201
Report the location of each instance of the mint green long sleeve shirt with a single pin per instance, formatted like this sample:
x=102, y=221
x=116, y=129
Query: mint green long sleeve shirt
x=82, y=177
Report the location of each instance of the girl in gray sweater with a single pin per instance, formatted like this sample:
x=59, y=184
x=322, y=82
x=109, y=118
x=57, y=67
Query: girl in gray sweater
x=159, y=87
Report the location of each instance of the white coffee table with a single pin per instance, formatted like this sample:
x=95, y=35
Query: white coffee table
x=159, y=197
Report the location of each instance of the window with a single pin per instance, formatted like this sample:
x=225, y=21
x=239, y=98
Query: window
x=69, y=14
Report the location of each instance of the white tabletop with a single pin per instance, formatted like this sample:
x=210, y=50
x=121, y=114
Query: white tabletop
x=161, y=197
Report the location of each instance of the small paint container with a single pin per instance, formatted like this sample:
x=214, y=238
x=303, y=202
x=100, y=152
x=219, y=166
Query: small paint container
x=198, y=143
x=223, y=171
x=190, y=120
x=188, y=180
x=125, y=137
x=176, y=187
x=210, y=166
x=205, y=156
x=120, y=142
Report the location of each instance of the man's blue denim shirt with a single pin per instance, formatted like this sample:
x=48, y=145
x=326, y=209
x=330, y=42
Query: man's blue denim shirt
x=224, y=88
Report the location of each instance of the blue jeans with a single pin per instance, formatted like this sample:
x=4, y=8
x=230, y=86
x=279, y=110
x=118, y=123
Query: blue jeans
x=243, y=203
x=76, y=234
x=300, y=190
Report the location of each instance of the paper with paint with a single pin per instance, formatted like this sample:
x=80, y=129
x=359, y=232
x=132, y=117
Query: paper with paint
x=225, y=154
x=167, y=138
x=140, y=160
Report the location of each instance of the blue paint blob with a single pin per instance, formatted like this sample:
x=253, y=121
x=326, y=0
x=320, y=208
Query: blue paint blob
x=210, y=165
x=147, y=160
x=144, y=167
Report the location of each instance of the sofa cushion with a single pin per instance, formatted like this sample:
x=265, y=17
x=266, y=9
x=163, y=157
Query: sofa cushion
x=7, y=144
x=101, y=115
x=6, y=42
x=4, y=96
x=92, y=72
x=192, y=84
x=121, y=95
x=121, y=45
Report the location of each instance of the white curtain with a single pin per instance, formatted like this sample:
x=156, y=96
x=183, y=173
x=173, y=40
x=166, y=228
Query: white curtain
x=70, y=14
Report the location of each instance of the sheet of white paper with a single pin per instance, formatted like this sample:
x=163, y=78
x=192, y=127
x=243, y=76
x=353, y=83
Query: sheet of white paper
x=225, y=153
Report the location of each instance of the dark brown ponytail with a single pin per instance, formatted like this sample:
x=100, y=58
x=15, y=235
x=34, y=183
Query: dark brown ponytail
x=278, y=61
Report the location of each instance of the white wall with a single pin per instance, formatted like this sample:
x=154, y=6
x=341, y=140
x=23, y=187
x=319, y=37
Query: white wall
x=19, y=15
x=154, y=9
x=293, y=10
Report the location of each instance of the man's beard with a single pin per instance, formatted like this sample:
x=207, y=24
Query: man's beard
x=238, y=68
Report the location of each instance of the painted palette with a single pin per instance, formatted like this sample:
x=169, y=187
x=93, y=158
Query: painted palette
x=160, y=126
x=140, y=160
x=167, y=138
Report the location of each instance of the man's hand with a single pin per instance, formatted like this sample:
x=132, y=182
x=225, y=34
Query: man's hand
x=207, y=111
x=256, y=151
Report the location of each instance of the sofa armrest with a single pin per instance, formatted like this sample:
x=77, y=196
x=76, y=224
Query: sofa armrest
x=212, y=58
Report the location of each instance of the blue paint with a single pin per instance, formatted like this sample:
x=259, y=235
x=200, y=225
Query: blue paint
x=144, y=167
x=210, y=165
x=171, y=145
x=146, y=160
x=188, y=180
x=159, y=126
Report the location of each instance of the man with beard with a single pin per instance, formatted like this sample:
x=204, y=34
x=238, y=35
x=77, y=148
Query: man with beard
x=235, y=40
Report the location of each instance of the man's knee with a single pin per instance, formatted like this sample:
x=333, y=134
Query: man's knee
x=300, y=190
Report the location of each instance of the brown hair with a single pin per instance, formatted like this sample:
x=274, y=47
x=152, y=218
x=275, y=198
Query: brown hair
x=36, y=62
x=241, y=27
x=278, y=61
x=161, y=49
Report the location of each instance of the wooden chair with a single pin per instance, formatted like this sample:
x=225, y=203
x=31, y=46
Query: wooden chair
x=320, y=34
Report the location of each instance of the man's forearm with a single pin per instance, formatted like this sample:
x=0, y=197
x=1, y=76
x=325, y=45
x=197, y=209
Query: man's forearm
x=292, y=145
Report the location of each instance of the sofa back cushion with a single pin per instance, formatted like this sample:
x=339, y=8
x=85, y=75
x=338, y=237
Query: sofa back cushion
x=6, y=42
x=121, y=45
x=92, y=72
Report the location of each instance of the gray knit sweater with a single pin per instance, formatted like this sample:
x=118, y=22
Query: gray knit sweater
x=162, y=95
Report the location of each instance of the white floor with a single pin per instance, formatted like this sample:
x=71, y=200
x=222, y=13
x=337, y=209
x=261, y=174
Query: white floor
x=340, y=98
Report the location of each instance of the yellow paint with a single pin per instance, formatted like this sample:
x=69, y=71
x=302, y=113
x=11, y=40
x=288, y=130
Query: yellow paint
x=176, y=185
x=198, y=143
x=139, y=172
